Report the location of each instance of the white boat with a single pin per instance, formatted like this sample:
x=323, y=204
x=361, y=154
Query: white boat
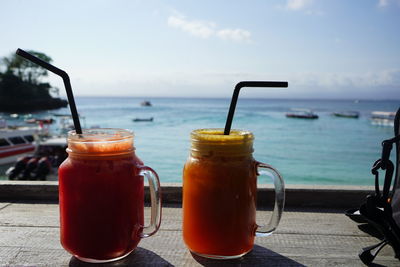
x=347, y=114
x=32, y=152
x=16, y=142
x=383, y=118
x=42, y=164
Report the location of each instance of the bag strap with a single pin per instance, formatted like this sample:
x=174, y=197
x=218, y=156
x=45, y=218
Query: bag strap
x=377, y=209
x=397, y=133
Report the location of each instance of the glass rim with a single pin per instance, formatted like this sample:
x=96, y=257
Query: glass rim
x=95, y=135
x=100, y=142
x=216, y=135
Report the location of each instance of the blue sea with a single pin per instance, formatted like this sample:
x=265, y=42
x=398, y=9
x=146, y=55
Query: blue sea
x=326, y=151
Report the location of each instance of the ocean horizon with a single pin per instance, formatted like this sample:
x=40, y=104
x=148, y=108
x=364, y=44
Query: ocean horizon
x=326, y=151
x=144, y=97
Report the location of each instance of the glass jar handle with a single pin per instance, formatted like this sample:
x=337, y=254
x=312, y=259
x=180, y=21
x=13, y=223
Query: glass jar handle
x=265, y=169
x=155, y=197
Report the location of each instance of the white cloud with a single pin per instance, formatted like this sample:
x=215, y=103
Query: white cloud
x=390, y=77
x=383, y=3
x=297, y=4
x=384, y=84
x=305, y=6
x=386, y=3
x=202, y=29
x=234, y=35
x=207, y=29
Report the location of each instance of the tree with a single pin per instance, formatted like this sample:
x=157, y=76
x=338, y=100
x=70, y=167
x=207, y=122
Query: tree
x=20, y=86
x=24, y=69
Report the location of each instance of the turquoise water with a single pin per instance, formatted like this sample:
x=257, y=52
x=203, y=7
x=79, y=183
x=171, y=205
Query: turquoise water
x=329, y=150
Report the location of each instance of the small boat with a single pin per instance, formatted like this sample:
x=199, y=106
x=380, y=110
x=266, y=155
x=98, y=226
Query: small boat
x=142, y=119
x=146, y=104
x=16, y=142
x=347, y=114
x=39, y=121
x=302, y=114
x=14, y=116
x=383, y=118
x=42, y=164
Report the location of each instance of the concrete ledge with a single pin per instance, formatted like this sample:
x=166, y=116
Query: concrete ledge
x=297, y=196
x=28, y=190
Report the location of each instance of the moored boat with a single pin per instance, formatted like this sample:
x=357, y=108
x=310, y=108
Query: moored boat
x=302, y=114
x=39, y=121
x=142, y=119
x=42, y=164
x=383, y=118
x=15, y=143
x=347, y=114
x=146, y=104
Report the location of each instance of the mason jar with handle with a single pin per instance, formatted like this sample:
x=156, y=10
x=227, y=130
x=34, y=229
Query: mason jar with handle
x=101, y=193
x=219, y=194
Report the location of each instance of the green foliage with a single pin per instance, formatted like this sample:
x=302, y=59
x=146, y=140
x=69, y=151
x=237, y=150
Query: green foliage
x=13, y=87
x=20, y=89
x=24, y=69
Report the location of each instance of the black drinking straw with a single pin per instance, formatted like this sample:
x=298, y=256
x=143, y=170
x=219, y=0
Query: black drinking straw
x=67, y=84
x=236, y=95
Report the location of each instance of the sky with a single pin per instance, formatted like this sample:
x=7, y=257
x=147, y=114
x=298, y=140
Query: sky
x=324, y=48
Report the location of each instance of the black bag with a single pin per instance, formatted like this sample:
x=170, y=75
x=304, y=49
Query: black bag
x=396, y=189
x=381, y=210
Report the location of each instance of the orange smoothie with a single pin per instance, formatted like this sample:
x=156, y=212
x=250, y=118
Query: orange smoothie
x=219, y=194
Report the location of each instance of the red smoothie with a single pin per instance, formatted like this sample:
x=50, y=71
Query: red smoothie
x=101, y=198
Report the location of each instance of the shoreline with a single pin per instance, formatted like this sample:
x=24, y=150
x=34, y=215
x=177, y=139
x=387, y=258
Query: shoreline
x=297, y=196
